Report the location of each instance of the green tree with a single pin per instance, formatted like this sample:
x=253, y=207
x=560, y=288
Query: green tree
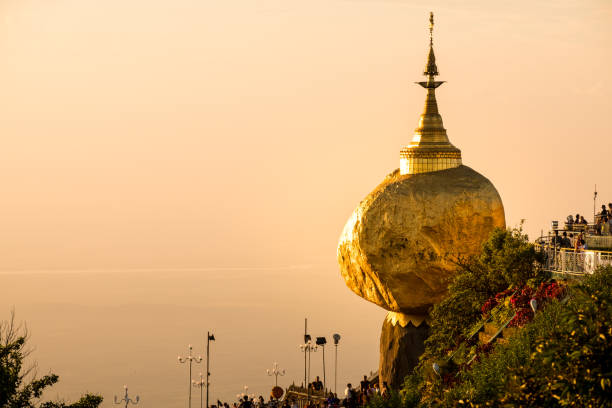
x=562, y=358
x=571, y=364
x=507, y=259
x=19, y=386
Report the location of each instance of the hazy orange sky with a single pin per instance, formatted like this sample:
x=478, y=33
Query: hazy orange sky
x=209, y=153
x=194, y=133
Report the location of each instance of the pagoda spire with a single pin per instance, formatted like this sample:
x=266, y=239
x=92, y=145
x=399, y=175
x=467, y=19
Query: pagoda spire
x=431, y=68
x=430, y=149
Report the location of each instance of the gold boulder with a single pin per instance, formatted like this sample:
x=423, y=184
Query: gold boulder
x=400, y=245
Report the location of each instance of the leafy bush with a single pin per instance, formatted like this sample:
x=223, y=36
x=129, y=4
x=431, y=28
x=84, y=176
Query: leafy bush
x=507, y=260
x=19, y=388
x=571, y=363
x=561, y=356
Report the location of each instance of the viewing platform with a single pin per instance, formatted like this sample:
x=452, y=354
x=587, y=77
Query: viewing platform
x=566, y=262
x=578, y=247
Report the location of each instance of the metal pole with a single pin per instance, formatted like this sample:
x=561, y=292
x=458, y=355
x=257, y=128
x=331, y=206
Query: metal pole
x=190, y=379
x=191, y=359
x=594, y=198
x=305, y=333
x=307, y=387
x=309, y=351
x=324, y=381
x=207, y=365
x=336, y=371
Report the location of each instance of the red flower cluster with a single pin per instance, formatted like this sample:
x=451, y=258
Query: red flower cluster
x=522, y=317
x=521, y=299
x=494, y=301
x=550, y=290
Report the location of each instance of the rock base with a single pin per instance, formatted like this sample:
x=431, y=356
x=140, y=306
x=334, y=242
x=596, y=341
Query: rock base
x=401, y=344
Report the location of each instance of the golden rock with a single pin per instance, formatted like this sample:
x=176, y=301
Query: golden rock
x=398, y=247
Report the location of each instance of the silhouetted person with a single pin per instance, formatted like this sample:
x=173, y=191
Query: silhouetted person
x=351, y=396
x=565, y=242
x=246, y=402
x=317, y=385
x=365, y=384
x=385, y=392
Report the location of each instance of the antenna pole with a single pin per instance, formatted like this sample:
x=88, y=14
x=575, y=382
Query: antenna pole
x=594, y=205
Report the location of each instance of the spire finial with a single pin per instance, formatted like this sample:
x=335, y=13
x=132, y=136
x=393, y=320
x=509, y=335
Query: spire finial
x=431, y=69
x=431, y=27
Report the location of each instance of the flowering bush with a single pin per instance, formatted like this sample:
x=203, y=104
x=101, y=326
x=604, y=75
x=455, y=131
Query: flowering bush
x=520, y=301
x=494, y=301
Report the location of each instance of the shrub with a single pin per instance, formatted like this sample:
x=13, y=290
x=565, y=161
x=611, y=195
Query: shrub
x=507, y=260
x=561, y=356
x=18, y=387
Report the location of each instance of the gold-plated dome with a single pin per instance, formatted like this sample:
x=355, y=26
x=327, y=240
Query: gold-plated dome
x=430, y=149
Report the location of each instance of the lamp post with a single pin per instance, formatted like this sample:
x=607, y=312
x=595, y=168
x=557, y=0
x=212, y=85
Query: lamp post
x=308, y=347
x=126, y=399
x=275, y=372
x=245, y=393
x=594, y=201
x=336, y=340
x=200, y=384
x=306, y=340
x=209, y=337
x=190, y=359
x=322, y=341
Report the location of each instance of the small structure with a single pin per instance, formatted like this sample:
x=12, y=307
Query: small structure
x=565, y=261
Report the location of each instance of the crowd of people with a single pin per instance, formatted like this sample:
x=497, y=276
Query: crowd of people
x=367, y=390
x=354, y=397
x=575, y=241
x=602, y=224
x=603, y=221
x=578, y=220
x=577, y=227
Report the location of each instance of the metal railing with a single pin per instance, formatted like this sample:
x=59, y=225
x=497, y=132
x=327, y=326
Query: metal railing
x=570, y=262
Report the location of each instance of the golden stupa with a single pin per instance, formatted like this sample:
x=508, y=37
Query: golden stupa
x=399, y=246
x=430, y=149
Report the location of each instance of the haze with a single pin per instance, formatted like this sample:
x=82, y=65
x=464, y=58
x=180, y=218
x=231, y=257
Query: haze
x=189, y=138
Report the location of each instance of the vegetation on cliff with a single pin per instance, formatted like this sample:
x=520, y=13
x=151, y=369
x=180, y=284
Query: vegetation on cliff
x=20, y=387
x=560, y=356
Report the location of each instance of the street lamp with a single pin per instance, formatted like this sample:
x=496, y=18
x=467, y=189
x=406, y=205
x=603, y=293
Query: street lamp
x=322, y=341
x=275, y=372
x=308, y=347
x=190, y=359
x=336, y=340
x=201, y=385
x=209, y=337
x=126, y=399
x=245, y=393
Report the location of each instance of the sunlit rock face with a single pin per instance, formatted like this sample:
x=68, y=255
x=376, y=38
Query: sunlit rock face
x=400, y=349
x=398, y=247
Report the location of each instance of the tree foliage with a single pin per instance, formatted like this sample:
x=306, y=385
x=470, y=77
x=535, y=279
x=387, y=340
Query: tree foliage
x=19, y=386
x=507, y=259
x=571, y=363
x=561, y=357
